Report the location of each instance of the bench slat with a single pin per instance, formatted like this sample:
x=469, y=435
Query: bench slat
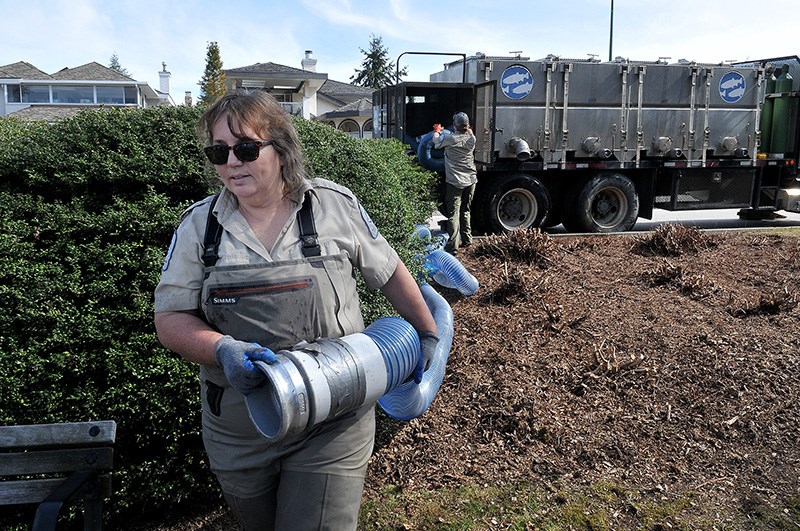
x=61, y=434
x=48, y=461
x=77, y=451
x=35, y=491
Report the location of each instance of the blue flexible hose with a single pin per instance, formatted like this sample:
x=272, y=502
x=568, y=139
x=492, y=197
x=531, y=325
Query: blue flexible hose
x=432, y=243
x=449, y=272
x=422, y=232
x=399, y=344
x=430, y=158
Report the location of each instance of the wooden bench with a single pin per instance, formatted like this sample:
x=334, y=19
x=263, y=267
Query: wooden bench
x=49, y=464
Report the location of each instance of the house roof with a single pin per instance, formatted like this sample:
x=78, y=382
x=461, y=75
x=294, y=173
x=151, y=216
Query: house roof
x=361, y=107
x=89, y=73
x=273, y=75
x=336, y=91
x=350, y=100
x=50, y=113
x=330, y=88
x=22, y=70
x=344, y=91
x=274, y=68
x=93, y=71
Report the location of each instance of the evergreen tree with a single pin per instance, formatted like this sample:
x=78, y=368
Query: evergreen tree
x=212, y=85
x=376, y=69
x=114, y=65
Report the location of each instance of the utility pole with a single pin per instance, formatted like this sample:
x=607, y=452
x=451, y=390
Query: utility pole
x=611, y=32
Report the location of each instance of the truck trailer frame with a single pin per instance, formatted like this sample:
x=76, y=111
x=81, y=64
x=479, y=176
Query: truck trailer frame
x=597, y=145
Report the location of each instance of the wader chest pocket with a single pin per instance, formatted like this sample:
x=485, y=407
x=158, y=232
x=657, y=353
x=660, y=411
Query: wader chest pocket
x=224, y=295
x=272, y=312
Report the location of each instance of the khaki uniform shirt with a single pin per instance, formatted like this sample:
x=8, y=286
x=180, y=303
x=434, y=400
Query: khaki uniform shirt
x=341, y=222
x=459, y=158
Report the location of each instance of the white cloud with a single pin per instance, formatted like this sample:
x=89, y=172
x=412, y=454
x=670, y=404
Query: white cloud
x=401, y=10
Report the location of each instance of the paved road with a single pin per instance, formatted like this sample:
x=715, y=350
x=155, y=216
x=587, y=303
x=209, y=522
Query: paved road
x=716, y=219
x=704, y=219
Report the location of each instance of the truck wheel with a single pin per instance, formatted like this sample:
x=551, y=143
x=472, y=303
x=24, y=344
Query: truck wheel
x=517, y=201
x=606, y=203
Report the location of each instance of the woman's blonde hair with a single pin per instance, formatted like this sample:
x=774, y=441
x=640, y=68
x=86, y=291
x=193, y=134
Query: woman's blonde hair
x=257, y=110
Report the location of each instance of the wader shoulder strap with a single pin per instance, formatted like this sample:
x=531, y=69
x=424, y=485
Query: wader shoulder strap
x=305, y=218
x=212, y=236
x=308, y=230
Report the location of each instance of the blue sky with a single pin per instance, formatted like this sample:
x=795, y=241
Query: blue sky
x=53, y=34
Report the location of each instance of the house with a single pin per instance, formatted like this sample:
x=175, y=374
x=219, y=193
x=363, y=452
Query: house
x=310, y=94
x=346, y=107
x=31, y=94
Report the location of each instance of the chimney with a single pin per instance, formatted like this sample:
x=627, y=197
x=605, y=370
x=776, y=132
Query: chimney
x=163, y=79
x=187, y=98
x=309, y=63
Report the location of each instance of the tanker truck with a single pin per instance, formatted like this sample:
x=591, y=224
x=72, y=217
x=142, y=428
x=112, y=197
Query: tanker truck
x=595, y=145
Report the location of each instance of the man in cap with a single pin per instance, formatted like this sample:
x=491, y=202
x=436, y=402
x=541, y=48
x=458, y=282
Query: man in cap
x=460, y=178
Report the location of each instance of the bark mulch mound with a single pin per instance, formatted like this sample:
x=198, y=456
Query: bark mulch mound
x=667, y=363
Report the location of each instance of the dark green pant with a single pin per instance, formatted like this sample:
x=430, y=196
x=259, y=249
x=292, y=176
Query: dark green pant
x=458, y=202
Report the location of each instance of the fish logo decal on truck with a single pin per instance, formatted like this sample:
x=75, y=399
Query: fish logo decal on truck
x=516, y=82
x=732, y=86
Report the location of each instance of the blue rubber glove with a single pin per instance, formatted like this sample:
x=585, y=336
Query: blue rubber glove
x=428, y=342
x=236, y=359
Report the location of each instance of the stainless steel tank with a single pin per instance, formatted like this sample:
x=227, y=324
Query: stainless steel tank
x=583, y=109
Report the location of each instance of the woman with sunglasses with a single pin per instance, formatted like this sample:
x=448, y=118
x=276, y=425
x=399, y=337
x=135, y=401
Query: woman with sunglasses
x=260, y=288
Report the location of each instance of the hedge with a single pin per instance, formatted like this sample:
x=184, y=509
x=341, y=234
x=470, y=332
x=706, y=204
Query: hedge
x=89, y=206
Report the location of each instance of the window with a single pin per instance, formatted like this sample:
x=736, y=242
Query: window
x=117, y=95
x=73, y=94
x=287, y=102
x=131, y=95
x=110, y=95
x=351, y=128
x=283, y=97
x=13, y=94
x=368, y=129
x=36, y=93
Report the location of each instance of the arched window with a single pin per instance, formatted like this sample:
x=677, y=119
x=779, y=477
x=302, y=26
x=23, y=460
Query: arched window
x=351, y=128
x=368, y=129
x=330, y=123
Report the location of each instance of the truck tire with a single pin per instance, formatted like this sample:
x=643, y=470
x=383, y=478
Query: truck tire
x=606, y=203
x=517, y=201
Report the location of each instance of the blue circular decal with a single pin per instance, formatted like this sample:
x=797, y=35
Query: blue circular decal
x=732, y=86
x=516, y=82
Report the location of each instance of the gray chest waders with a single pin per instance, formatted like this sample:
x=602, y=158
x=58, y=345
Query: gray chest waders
x=278, y=304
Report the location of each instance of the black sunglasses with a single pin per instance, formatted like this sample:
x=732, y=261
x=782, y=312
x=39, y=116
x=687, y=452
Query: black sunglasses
x=244, y=151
